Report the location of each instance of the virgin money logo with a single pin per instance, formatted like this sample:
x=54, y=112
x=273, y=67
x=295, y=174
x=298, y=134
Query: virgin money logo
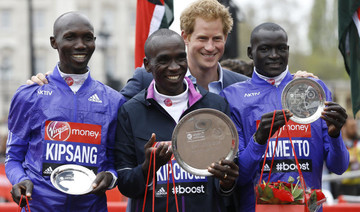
x=72, y=132
x=295, y=130
x=58, y=130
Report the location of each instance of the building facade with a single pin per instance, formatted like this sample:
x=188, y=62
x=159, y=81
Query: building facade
x=112, y=62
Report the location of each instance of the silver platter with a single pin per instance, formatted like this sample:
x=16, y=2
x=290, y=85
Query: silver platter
x=73, y=179
x=202, y=137
x=305, y=98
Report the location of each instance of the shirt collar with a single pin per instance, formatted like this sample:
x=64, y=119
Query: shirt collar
x=213, y=86
x=273, y=80
x=221, y=74
x=159, y=97
x=194, y=95
x=78, y=79
x=191, y=77
x=56, y=76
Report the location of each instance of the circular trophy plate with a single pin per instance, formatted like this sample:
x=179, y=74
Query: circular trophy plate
x=305, y=98
x=202, y=137
x=73, y=179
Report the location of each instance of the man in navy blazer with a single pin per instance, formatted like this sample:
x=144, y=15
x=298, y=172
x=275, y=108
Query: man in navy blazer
x=205, y=25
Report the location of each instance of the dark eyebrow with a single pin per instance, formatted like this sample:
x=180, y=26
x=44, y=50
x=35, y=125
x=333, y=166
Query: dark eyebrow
x=162, y=55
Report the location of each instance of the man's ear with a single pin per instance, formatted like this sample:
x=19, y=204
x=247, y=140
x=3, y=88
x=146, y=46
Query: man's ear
x=185, y=36
x=53, y=42
x=249, y=52
x=146, y=64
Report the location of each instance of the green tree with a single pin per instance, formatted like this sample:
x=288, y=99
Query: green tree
x=319, y=26
x=323, y=27
x=325, y=59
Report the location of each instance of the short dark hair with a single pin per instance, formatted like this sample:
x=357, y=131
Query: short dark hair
x=163, y=32
x=238, y=66
x=266, y=26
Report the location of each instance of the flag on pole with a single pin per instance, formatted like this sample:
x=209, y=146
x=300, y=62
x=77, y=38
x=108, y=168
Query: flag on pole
x=349, y=46
x=151, y=15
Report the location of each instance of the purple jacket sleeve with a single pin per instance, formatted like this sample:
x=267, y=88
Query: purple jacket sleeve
x=16, y=149
x=336, y=149
x=336, y=155
x=19, y=122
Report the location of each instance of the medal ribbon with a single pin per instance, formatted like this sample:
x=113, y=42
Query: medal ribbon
x=27, y=204
x=302, y=181
x=170, y=166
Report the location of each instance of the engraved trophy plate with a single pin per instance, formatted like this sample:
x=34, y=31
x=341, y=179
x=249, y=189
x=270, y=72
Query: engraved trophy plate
x=202, y=137
x=305, y=98
x=73, y=179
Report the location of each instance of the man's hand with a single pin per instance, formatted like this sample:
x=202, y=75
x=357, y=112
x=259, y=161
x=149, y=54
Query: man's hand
x=39, y=79
x=163, y=154
x=304, y=74
x=101, y=183
x=226, y=171
x=262, y=133
x=335, y=117
x=23, y=188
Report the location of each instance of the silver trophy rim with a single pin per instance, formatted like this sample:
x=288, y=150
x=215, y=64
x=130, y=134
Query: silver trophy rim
x=73, y=167
x=174, y=140
x=320, y=91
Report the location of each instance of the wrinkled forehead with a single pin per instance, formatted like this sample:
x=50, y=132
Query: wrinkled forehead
x=166, y=43
x=72, y=22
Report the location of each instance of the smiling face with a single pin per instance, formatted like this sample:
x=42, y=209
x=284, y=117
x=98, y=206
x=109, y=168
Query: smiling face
x=269, y=51
x=206, y=44
x=166, y=60
x=74, y=39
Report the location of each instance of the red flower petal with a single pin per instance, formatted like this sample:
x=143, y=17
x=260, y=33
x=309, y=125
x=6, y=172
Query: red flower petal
x=283, y=195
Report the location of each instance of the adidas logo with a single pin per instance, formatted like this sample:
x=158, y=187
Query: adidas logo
x=266, y=167
x=48, y=170
x=94, y=98
x=161, y=192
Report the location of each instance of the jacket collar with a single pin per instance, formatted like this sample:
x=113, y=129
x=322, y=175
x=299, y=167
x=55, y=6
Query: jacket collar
x=60, y=82
x=257, y=80
x=194, y=95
